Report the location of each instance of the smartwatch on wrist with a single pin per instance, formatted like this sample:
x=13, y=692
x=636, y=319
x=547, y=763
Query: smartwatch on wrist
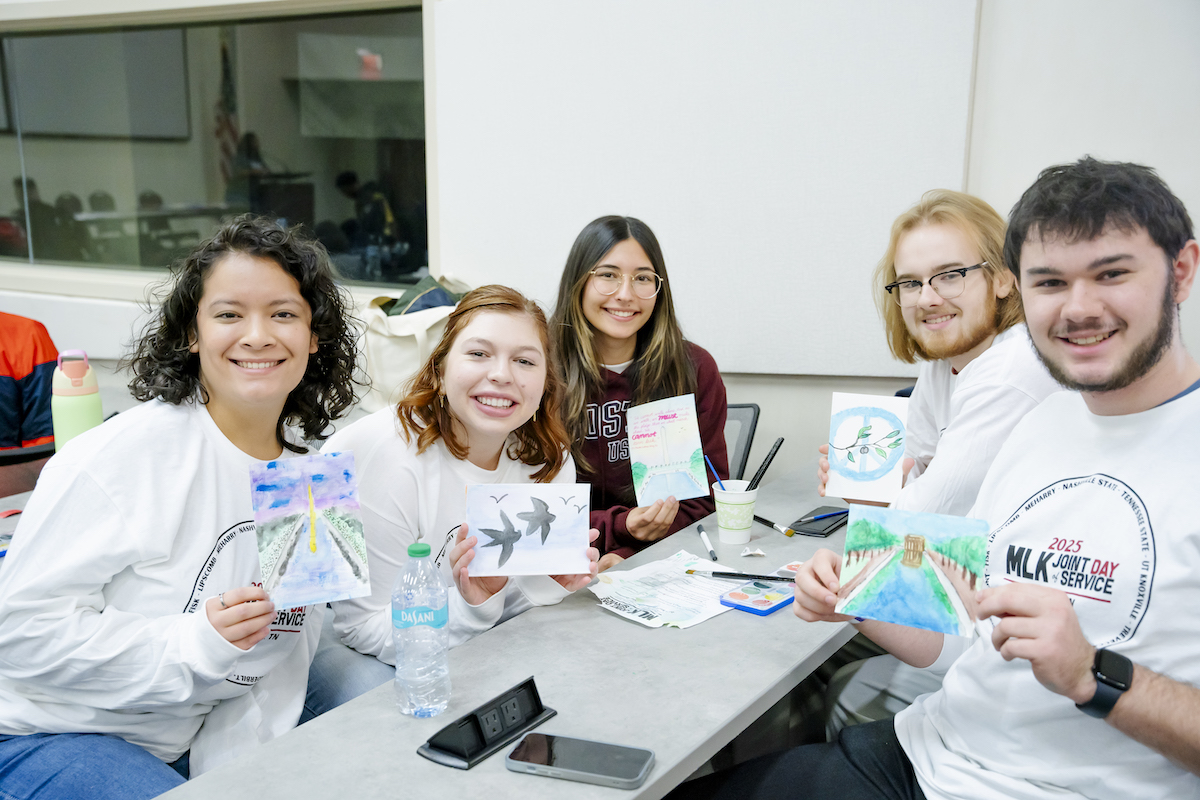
x=1114, y=675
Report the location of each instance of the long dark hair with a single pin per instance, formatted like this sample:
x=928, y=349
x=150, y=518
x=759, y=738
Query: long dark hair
x=164, y=368
x=661, y=367
x=541, y=440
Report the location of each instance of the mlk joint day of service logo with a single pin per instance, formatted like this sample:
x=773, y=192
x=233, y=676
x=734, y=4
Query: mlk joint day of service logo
x=1090, y=537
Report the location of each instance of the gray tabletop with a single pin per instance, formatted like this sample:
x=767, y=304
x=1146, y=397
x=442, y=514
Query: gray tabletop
x=682, y=693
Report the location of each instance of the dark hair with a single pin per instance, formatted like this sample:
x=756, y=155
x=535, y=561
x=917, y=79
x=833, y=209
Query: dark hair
x=164, y=368
x=347, y=178
x=1078, y=201
x=661, y=367
x=423, y=411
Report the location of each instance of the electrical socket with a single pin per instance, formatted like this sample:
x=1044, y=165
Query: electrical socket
x=492, y=726
x=511, y=709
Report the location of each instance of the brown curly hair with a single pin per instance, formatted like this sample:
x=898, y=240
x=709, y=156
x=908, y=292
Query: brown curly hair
x=542, y=440
x=164, y=368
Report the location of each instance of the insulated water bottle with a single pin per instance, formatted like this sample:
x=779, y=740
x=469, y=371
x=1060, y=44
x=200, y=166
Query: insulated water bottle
x=75, y=398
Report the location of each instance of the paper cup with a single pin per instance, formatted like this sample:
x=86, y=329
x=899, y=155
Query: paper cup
x=735, y=511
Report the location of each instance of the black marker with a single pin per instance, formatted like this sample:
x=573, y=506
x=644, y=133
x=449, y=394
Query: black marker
x=758, y=476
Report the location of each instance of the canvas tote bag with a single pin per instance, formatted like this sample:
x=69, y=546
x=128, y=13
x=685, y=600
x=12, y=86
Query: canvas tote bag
x=395, y=347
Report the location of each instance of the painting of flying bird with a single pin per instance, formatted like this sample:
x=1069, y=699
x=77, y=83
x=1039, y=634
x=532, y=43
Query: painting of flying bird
x=309, y=529
x=528, y=529
x=504, y=539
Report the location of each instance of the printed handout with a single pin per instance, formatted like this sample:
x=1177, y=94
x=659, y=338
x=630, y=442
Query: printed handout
x=661, y=593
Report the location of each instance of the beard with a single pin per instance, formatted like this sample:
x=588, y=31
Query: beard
x=967, y=339
x=1143, y=358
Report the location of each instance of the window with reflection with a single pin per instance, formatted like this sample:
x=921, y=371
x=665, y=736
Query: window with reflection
x=126, y=148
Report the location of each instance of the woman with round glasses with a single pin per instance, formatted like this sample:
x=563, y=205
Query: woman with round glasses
x=617, y=343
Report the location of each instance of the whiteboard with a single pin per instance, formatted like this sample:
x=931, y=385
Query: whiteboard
x=769, y=144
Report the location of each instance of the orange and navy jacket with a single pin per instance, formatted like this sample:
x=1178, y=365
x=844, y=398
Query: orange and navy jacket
x=27, y=361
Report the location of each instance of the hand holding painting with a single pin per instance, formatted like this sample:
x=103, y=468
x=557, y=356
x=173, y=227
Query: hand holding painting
x=653, y=522
x=478, y=590
x=817, y=584
x=242, y=616
x=823, y=473
x=474, y=590
x=574, y=583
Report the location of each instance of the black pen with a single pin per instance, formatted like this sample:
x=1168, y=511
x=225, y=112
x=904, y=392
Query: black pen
x=741, y=576
x=758, y=476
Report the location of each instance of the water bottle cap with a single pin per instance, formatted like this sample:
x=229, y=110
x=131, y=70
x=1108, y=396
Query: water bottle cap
x=418, y=550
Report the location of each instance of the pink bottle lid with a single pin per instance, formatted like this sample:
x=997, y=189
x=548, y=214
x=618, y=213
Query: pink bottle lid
x=74, y=377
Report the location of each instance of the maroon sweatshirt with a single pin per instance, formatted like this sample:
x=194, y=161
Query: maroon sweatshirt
x=607, y=450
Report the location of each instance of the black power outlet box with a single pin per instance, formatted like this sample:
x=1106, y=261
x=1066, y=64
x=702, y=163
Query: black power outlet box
x=473, y=737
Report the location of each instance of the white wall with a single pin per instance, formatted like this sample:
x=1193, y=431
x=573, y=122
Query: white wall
x=769, y=147
x=1053, y=81
x=1117, y=80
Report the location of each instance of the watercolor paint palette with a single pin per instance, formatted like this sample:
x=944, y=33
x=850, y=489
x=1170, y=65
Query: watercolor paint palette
x=762, y=597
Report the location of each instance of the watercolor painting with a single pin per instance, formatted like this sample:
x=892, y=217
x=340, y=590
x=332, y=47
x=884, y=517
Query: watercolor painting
x=920, y=570
x=529, y=528
x=664, y=450
x=866, y=447
x=309, y=527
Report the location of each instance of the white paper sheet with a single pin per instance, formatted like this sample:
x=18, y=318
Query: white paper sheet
x=662, y=593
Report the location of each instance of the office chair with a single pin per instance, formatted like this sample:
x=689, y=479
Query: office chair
x=20, y=467
x=740, y=422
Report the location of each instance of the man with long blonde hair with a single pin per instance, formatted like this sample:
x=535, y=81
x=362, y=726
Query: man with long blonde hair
x=948, y=301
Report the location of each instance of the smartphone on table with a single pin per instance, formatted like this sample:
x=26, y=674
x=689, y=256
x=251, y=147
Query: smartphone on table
x=581, y=760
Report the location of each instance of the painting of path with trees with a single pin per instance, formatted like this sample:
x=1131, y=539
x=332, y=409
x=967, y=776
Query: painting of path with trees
x=920, y=570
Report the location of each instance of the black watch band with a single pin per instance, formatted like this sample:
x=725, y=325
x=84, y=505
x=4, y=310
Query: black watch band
x=1114, y=675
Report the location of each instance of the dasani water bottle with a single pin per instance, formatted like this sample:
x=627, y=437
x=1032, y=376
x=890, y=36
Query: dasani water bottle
x=419, y=616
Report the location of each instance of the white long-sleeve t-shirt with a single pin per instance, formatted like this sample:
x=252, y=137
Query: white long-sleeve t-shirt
x=957, y=423
x=131, y=528
x=406, y=498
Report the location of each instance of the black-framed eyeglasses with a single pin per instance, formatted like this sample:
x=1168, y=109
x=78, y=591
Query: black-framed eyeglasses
x=948, y=285
x=608, y=280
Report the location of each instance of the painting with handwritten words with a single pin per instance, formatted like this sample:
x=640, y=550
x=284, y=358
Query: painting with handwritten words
x=866, y=447
x=664, y=450
x=529, y=528
x=911, y=568
x=309, y=529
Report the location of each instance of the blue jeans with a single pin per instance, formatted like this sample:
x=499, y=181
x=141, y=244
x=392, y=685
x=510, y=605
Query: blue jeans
x=339, y=674
x=80, y=766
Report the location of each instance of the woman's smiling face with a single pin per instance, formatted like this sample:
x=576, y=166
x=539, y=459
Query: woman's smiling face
x=493, y=376
x=617, y=318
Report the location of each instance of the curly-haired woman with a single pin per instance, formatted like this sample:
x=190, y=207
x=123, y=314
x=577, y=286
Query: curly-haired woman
x=132, y=628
